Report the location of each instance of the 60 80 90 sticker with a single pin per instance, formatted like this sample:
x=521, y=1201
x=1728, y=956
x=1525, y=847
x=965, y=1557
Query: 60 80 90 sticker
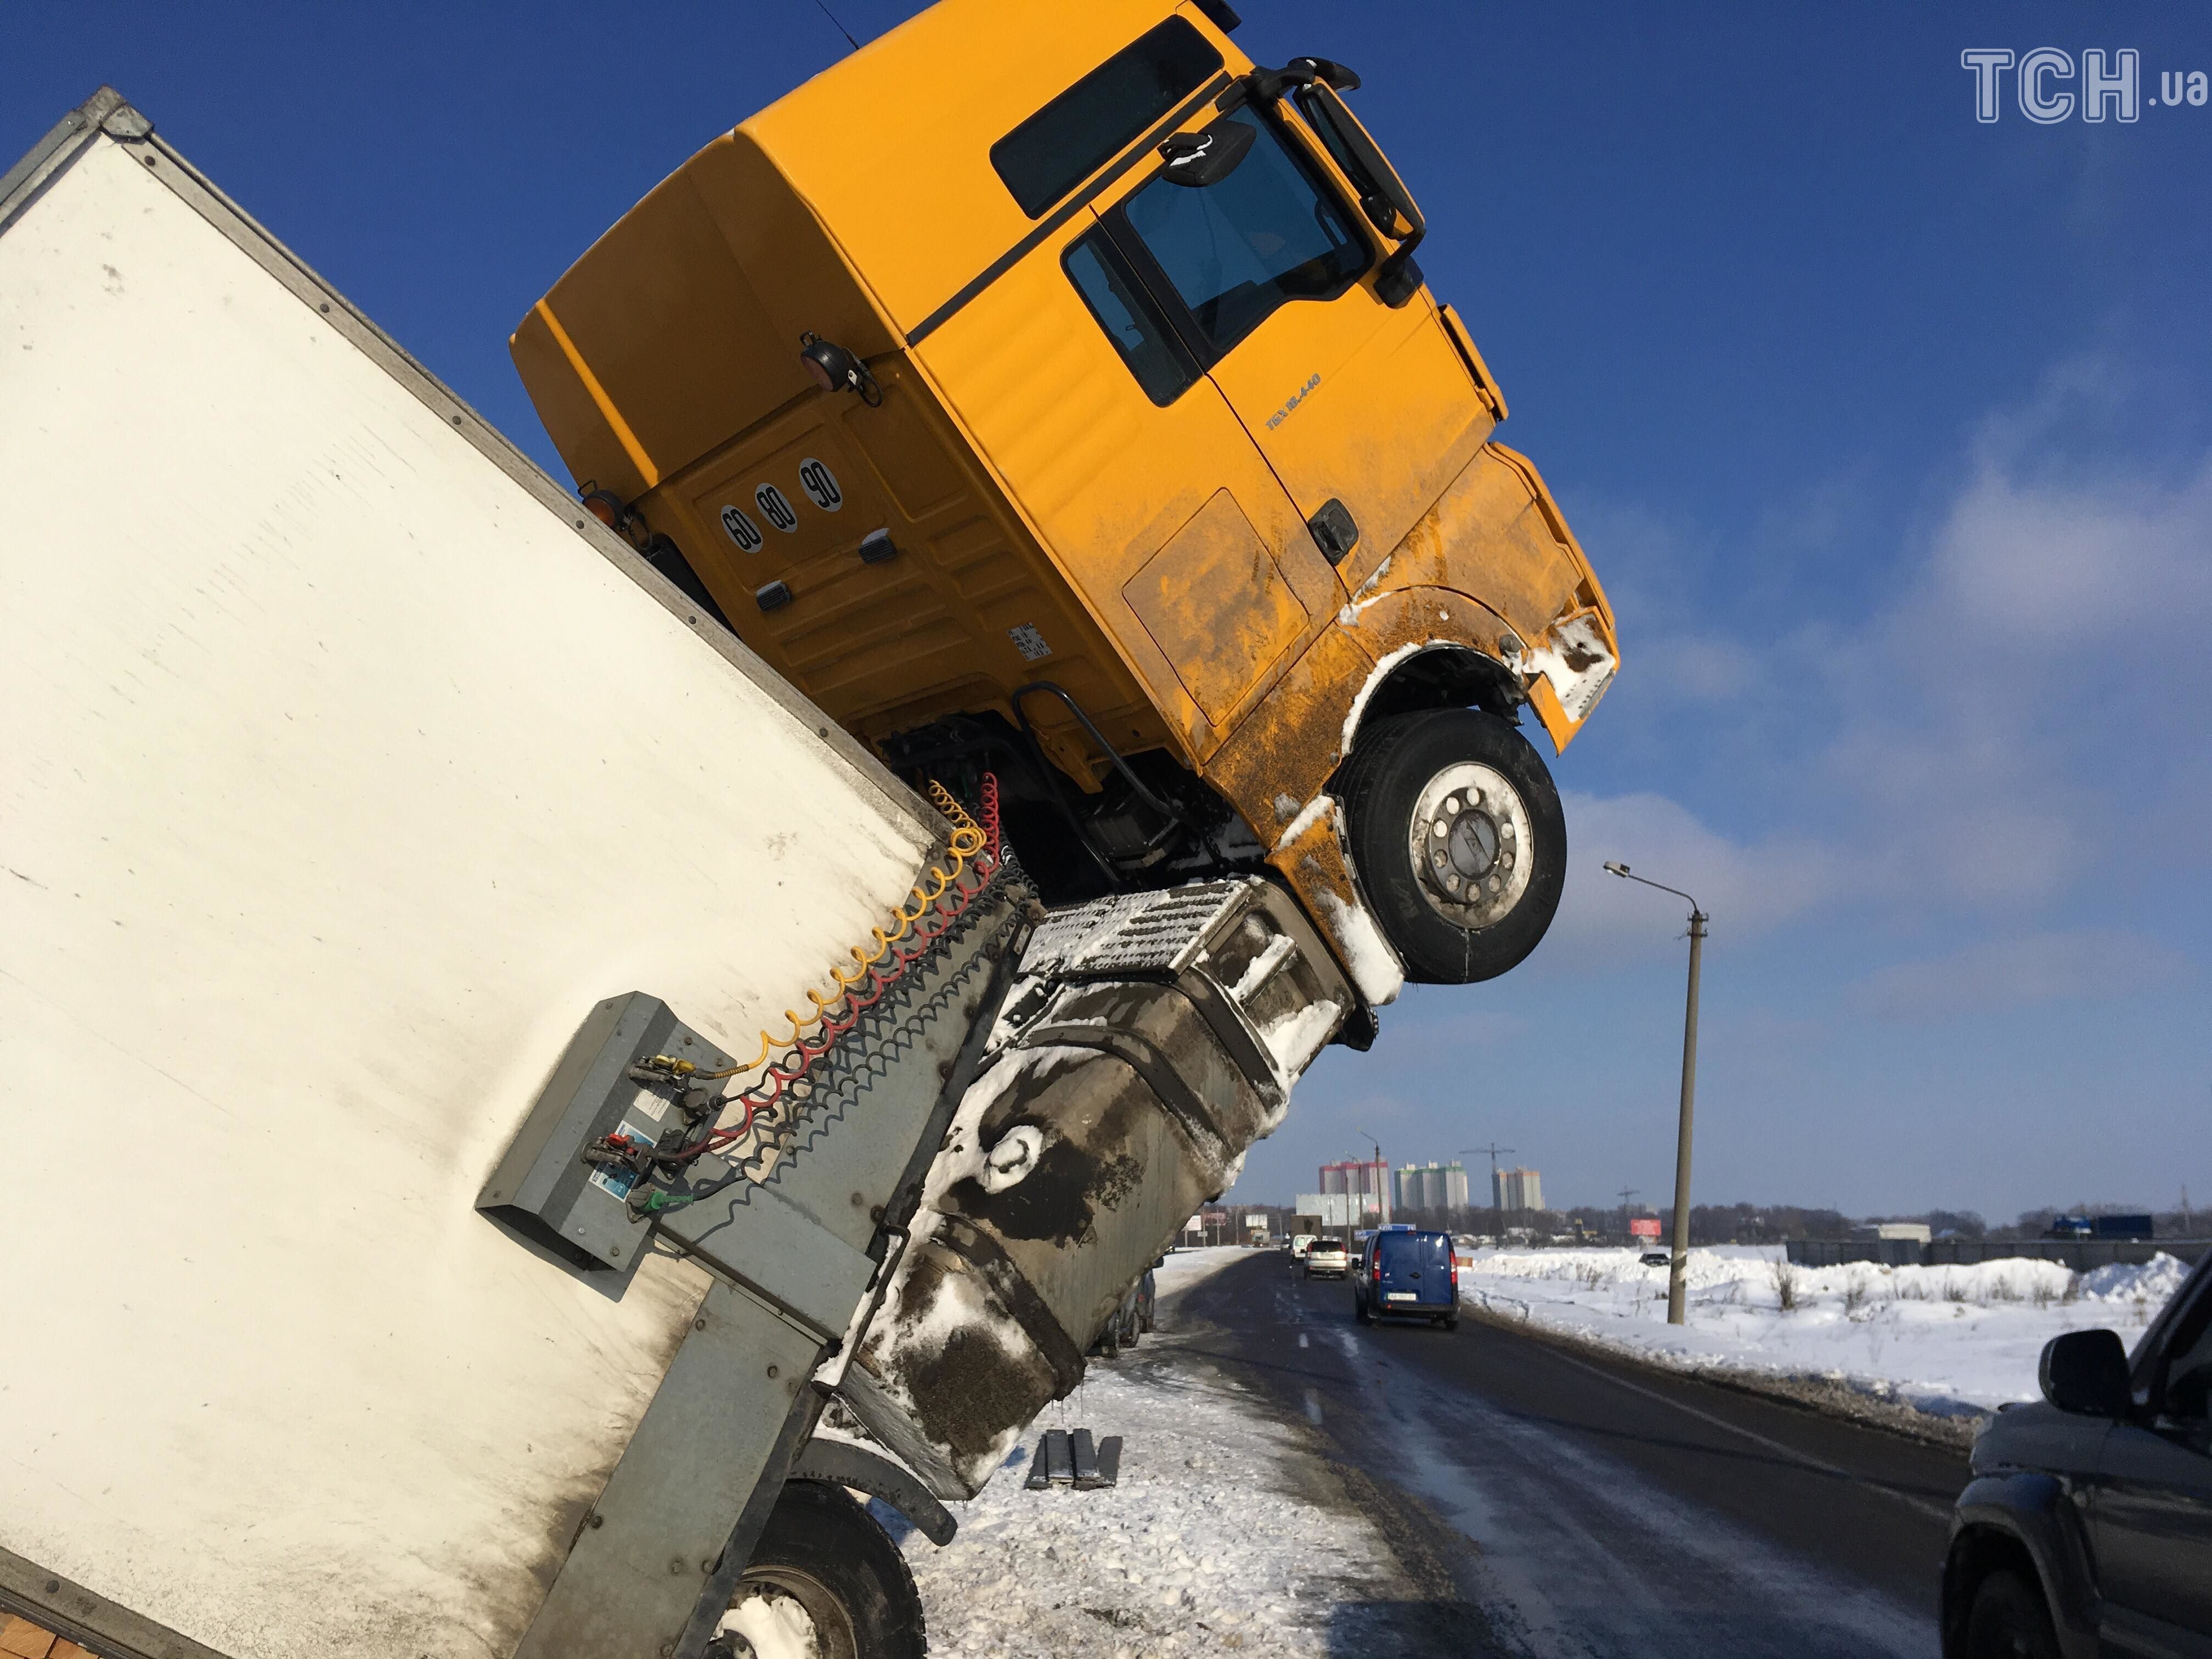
x=820, y=484
x=743, y=531
x=775, y=507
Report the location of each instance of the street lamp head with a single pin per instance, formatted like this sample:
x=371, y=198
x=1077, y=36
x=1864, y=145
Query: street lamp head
x=1614, y=868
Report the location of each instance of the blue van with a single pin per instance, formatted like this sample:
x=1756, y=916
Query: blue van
x=1407, y=1273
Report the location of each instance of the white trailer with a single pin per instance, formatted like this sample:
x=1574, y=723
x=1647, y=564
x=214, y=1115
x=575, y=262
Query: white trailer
x=389, y=859
x=347, y=767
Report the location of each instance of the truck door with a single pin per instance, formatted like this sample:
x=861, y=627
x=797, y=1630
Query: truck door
x=1364, y=411
x=1142, y=480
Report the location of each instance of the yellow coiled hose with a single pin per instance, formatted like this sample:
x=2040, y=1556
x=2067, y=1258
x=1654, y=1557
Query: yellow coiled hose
x=967, y=839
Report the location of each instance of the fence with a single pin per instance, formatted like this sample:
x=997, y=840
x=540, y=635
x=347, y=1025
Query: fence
x=2081, y=1254
x=1834, y=1252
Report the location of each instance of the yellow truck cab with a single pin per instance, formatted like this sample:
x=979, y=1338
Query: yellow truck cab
x=1051, y=390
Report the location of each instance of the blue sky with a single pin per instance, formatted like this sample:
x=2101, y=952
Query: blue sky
x=1887, y=429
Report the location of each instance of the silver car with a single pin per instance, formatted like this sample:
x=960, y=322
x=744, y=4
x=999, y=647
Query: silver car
x=1326, y=1258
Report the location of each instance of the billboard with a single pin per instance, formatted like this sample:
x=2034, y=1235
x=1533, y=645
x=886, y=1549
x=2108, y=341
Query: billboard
x=1644, y=1226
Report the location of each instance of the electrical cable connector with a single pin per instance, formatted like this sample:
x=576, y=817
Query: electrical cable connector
x=975, y=852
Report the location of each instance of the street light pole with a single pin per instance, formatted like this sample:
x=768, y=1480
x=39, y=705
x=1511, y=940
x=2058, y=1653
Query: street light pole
x=1680, y=1256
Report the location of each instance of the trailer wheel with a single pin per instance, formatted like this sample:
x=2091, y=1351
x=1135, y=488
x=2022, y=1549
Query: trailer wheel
x=825, y=1580
x=1458, y=841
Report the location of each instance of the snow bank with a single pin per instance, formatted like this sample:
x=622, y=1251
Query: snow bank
x=1184, y=1268
x=1951, y=1341
x=1207, y=1544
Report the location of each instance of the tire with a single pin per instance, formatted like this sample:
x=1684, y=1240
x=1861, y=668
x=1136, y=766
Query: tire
x=1451, y=1324
x=822, y=1552
x=2009, y=1620
x=1409, y=775
x=1360, y=1312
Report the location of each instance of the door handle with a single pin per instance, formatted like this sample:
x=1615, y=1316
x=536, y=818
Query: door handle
x=1333, y=531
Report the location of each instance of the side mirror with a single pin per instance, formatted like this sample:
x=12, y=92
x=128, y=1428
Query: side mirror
x=2086, y=1372
x=1198, y=159
x=1383, y=196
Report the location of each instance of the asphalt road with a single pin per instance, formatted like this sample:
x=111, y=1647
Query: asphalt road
x=1554, y=1504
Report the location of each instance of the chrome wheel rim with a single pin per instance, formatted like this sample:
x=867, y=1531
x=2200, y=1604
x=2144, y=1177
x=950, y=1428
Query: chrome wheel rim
x=1471, y=844
x=783, y=1613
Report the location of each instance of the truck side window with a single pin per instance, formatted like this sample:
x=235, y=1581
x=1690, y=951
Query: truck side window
x=1130, y=317
x=1096, y=120
x=1235, y=250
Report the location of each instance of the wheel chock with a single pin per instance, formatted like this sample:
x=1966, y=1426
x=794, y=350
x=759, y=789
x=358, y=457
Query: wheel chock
x=1076, y=1458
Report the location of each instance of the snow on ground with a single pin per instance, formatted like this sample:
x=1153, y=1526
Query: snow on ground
x=1950, y=1341
x=1224, y=1532
x=1180, y=1269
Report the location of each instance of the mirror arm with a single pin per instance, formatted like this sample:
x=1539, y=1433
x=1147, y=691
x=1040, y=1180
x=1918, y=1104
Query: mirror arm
x=1326, y=68
x=1398, y=277
x=1268, y=85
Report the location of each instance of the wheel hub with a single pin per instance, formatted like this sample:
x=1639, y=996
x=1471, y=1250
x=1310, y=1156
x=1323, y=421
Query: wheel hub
x=1471, y=843
x=781, y=1612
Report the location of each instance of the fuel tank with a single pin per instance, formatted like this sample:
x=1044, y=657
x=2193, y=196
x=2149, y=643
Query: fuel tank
x=1149, y=1041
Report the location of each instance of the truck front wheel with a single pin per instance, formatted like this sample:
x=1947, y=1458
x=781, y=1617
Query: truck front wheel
x=825, y=1580
x=1458, y=841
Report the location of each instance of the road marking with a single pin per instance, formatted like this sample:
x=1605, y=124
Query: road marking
x=1313, y=1408
x=1302, y=1343
x=1789, y=1452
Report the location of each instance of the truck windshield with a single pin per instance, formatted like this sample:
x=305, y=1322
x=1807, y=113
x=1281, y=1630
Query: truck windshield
x=1235, y=250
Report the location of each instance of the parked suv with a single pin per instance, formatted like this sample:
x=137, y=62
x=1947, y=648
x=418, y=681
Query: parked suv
x=1327, y=1258
x=1407, y=1273
x=2087, y=1529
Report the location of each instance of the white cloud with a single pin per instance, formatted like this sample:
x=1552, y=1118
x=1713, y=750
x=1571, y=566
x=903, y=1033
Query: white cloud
x=2079, y=966
x=1696, y=668
x=1995, y=734
x=1748, y=889
x=1448, y=1037
x=2104, y=566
